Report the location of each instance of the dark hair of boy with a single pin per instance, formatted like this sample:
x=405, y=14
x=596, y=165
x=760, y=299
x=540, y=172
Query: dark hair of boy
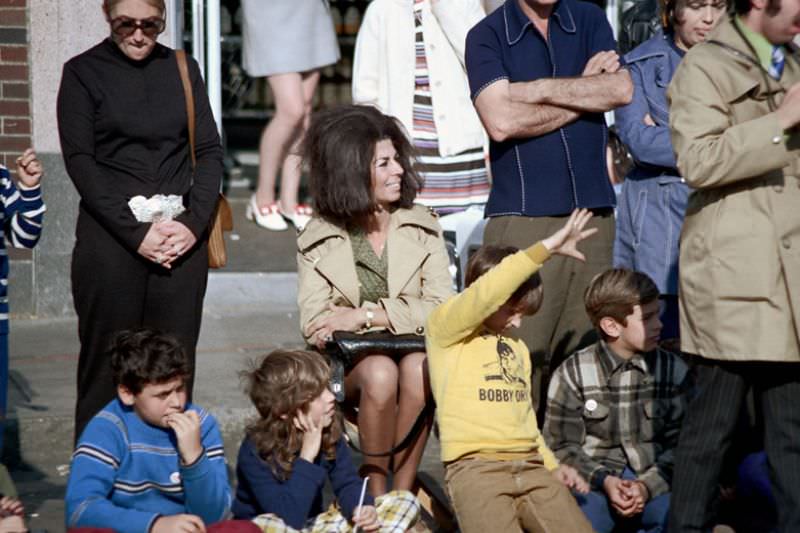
x=528, y=296
x=615, y=292
x=145, y=356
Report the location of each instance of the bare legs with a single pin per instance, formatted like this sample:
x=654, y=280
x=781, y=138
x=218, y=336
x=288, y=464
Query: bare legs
x=293, y=95
x=414, y=389
x=390, y=397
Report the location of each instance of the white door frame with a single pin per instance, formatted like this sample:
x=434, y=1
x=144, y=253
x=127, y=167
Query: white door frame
x=207, y=49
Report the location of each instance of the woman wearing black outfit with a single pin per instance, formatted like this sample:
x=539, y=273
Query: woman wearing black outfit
x=123, y=128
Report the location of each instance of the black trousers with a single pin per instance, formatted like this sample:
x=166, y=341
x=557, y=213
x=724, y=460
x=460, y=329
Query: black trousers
x=709, y=428
x=116, y=289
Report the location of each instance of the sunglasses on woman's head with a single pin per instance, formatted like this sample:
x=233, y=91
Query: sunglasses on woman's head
x=126, y=26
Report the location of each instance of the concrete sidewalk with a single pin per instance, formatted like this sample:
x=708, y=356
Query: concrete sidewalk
x=245, y=315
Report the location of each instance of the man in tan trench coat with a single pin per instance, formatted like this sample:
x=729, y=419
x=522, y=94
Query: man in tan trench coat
x=735, y=107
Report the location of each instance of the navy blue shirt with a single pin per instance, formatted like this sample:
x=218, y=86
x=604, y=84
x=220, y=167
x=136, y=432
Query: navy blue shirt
x=553, y=173
x=298, y=499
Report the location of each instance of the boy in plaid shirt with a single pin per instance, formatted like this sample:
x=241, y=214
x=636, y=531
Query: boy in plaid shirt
x=615, y=408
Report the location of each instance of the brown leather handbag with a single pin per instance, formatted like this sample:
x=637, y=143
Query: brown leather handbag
x=222, y=220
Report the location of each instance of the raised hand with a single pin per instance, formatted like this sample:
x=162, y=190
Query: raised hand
x=312, y=435
x=186, y=426
x=565, y=241
x=29, y=169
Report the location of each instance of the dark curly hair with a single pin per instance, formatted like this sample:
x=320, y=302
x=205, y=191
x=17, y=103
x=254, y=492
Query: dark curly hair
x=146, y=356
x=339, y=148
x=280, y=384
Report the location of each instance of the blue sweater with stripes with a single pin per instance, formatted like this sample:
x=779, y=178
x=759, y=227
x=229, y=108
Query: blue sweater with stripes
x=126, y=473
x=21, y=216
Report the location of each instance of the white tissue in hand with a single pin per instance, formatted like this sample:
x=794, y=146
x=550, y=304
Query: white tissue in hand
x=156, y=208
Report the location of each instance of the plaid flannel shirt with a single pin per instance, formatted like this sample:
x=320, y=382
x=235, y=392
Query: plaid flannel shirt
x=605, y=413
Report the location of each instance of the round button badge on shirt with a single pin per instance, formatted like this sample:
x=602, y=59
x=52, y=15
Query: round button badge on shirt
x=591, y=405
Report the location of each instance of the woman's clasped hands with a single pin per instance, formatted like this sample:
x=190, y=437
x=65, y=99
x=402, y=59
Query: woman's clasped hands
x=166, y=241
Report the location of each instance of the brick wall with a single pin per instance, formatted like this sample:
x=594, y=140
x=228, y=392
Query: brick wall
x=15, y=100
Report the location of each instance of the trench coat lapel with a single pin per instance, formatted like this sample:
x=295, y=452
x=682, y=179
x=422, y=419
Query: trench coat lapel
x=338, y=267
x=405, y=253
x=755, y=79
x=405, y=258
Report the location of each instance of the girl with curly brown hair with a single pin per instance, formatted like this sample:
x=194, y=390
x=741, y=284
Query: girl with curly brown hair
x=294, y=446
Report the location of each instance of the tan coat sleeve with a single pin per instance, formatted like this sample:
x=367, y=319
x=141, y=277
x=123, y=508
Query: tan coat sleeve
x=314, y=293
x=408, y=312
x=711, y=149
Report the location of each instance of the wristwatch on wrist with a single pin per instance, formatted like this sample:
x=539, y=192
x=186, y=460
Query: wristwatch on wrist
x=370, y=317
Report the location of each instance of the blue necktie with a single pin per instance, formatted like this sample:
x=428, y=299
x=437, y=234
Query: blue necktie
x=778, y=59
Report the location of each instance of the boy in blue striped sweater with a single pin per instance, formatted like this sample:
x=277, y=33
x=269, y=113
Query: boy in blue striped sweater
x=21, y=216
x=148, y=462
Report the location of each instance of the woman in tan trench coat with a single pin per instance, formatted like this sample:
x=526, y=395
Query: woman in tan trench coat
x=370, y=259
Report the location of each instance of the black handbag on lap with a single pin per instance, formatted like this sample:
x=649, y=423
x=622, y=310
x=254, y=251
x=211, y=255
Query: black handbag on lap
x=348, y=347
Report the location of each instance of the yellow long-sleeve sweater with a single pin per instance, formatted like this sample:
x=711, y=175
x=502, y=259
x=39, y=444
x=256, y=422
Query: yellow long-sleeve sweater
x=481, y=380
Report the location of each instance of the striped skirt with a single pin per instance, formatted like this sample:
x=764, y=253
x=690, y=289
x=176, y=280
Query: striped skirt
x=452, y=183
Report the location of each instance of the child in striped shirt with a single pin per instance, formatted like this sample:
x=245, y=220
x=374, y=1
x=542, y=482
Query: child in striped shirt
x=21, y=215
x=149, y=462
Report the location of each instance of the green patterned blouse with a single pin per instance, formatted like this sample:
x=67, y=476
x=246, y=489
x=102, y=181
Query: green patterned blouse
x=372, y=271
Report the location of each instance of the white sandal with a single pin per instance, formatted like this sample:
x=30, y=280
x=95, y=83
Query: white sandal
x=268, y=217
x=299, y=217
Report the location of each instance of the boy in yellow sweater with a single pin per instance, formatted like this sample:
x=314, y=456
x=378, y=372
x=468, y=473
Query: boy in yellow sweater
x=500, y=474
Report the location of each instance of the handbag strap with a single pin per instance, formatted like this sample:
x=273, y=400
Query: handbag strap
x=422, y=417
x=183, y=68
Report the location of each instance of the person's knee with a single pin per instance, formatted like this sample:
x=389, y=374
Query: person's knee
x=379, y=385
x=293, y=113
x=413, y=378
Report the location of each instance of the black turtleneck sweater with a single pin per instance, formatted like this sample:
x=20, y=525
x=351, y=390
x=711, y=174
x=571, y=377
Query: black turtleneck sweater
x=124, y=132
